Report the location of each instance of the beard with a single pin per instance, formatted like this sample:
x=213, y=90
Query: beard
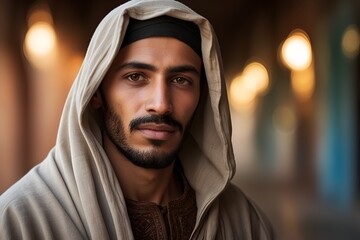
x=151, y=159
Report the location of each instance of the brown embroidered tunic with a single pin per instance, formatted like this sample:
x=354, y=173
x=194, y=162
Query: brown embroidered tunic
x=176, y=220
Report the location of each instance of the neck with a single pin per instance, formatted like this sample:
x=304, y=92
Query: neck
x=141, y=184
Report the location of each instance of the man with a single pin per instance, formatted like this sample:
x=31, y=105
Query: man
x=144, y=144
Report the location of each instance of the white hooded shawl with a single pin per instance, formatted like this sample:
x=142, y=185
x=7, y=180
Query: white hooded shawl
x=74, y=192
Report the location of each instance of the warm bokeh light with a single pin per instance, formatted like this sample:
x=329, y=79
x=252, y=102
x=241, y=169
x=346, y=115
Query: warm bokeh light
x=351, y=41
x=40, y=43
x=246, y=87
x=40, y=39
x=303, y=83
x=241, y=96
x=256, y=77
x=296, y=51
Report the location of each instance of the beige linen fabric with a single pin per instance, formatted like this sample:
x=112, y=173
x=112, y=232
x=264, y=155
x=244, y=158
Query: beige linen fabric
x=74, y=193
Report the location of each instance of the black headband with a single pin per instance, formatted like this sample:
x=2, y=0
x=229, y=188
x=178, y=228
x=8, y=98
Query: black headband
x=164, y=26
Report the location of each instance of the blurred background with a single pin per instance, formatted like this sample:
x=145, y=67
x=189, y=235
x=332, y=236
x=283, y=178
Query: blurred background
x=292, y=70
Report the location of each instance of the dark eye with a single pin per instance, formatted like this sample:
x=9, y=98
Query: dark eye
x=181, y=81
x=135, y=77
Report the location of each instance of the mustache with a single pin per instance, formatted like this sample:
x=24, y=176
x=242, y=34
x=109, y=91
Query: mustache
x=158, y=119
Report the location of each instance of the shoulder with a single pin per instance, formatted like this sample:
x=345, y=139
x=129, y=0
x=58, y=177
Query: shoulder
x=235, y=209
x=33, y=189
x=22, y=193
x=31, y=208
x=18, y=207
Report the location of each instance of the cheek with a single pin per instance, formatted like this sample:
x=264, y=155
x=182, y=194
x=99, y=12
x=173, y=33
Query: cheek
x=186, y=107
x=126, y=103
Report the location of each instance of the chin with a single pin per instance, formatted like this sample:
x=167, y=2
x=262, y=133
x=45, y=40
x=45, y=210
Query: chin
x=150, y=158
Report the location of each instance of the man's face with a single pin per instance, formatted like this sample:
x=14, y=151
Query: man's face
x=149, y=97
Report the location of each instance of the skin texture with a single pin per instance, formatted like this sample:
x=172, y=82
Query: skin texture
x=148, y=98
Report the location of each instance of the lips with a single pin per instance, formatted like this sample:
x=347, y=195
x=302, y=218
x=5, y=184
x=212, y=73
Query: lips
x=157, y=131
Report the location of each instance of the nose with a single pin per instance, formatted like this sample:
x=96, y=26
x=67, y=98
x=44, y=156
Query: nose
x=159, y=98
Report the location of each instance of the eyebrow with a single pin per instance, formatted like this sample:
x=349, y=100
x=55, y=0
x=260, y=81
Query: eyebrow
x=139, y=65
x=184, y=68
x=172, y=70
